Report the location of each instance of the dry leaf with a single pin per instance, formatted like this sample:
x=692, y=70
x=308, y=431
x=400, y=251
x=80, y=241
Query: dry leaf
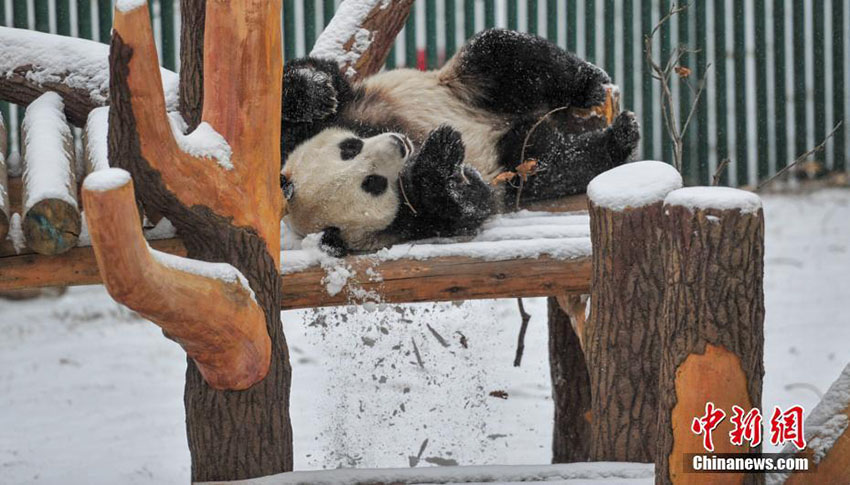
x=526, y=168
x=503, y=177
x=682, y=71
x=500, y=394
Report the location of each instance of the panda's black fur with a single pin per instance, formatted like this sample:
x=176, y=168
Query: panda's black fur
x=502, y=80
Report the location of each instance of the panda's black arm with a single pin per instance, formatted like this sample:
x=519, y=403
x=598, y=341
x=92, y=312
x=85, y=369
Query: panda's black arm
x=439, y=196
x=314, y=92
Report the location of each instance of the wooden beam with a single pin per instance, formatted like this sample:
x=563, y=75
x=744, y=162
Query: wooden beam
x=403, y=281
x=4, y=184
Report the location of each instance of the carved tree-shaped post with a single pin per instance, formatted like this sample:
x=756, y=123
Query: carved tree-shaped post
x=712, y=333
x=219, y=187
x=621, y=340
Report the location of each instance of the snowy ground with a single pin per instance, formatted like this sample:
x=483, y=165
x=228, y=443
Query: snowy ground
x=90, y=393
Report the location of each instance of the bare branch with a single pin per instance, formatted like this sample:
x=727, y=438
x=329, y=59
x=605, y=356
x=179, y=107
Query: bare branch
x=801, y=158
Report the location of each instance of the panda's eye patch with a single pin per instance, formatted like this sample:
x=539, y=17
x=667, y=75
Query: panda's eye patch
x=374, y=184
x=350, y=148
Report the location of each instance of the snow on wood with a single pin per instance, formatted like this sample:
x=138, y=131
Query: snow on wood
x=4, y=183
x=16, y=233
x=95, y=140
x=720, y=198
x=219, y=271
x=49, y=196
x=107, y=179
x=127, y=5
x=202, y=142
x=345, y=25
x=602, y=472
x=503, y=237
x=76, y=68
x=633, y=185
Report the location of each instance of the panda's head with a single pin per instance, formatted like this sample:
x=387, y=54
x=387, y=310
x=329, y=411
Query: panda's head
x=338, y=179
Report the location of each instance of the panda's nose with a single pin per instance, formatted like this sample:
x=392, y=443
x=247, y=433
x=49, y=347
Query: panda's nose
x=405, y=146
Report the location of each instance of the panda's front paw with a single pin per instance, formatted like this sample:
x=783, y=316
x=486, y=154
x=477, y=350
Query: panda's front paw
x=590, y=81
x=625, y=133
x=309, y=95
x=469, y=197
x=442, y=153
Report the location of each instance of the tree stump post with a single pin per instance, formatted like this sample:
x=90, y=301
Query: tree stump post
x=621, y=341
x=713, y=327
x=5, y=214
x=570, y=388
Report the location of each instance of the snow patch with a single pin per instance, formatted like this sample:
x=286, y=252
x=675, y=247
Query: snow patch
x=16, y=233
x=106, y=179
x=634, y=185
x=828, y=420
x=128, y=5
x=47, y=173
x=203, y=142
x=76, y=63
x=220, y=271
x=97, y=137
x=721, y=198
x=345, y=25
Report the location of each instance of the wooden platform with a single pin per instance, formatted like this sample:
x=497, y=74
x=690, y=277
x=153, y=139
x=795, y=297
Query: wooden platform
x=458, y=275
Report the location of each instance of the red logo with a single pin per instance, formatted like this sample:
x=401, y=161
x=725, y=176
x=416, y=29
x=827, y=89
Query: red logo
x=705, y=425
x=787, y=427
x=747, y=426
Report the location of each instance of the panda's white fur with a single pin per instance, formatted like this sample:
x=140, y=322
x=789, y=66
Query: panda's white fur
x=333, y=196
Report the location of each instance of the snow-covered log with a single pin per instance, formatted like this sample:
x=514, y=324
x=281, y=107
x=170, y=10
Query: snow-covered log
x=95, y=140
x=51, y=218
x=4, y=183
x=361, y=34
x=621, y=340
x=712, y=331
x=827, y=432
x=33, y=63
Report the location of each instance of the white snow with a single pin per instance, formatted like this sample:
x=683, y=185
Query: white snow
x=633, y=185
x=90, y=393
x=722, y=198
x=16, y=233
x=106, y=179
x=77, y=63
x=570, y=473
x=127, y=5
x=220, y=271
x=345, y=25
x=48, y=172
x=503, y=237
x=97, y=138
x=203, y=142
x=828, y=420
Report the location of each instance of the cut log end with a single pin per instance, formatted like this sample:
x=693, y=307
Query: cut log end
x=51, y=226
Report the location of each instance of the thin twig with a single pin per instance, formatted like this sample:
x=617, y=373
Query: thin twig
x=525, y=145
x=718, y=172
x=801, y=158
x=520, y=345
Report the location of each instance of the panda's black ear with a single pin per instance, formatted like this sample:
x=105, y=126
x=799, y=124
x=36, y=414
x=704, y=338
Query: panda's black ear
x=287, y=187
x=333, y=243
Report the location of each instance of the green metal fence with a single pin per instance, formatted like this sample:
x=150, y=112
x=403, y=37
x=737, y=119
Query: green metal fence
x=776, y=70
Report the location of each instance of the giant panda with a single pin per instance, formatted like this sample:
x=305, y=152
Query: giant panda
x=407, y=154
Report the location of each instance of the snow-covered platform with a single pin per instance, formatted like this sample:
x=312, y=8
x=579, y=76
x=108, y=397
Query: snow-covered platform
x=571, y=473
x=541, y=251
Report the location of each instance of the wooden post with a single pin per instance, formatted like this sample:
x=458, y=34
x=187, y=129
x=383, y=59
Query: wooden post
x=713, y=327
x=5, y=215
x=95, y=140
x=621, y=341
x=570, y=388
x=827, y=437
x=51, y=221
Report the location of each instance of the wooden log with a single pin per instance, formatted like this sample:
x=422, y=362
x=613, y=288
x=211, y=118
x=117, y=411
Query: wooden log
x=570, y=388
x=364, y=49
x=403, y=281
x=712, y=332
x=95, y=140
x=51, y=219
x=5, y=213
x=827, y=432
x=621, y=340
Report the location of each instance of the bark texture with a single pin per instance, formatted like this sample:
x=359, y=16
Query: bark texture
x=622, y=341
x=712, y=332
x=192, y=18
x=570, y=389
x=232, y=435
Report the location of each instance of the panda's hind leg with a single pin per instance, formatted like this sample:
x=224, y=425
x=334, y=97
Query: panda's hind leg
x=515, y=73
x=565, y=163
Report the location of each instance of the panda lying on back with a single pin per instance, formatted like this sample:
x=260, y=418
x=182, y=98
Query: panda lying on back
x=408, y=155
